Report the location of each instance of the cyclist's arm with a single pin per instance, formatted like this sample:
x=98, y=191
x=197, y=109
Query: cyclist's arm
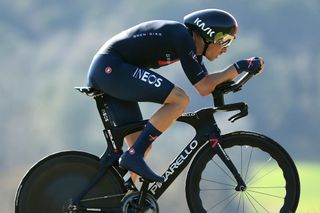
x=207, y=84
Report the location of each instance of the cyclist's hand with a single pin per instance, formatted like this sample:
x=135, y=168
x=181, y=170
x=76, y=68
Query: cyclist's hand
x=253, y=65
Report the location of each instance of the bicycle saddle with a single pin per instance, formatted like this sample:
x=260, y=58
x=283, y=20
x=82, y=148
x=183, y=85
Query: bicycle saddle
x=89, y=91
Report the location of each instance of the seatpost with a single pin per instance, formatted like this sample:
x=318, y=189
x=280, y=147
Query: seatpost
x=103, y=111
x=114, y=142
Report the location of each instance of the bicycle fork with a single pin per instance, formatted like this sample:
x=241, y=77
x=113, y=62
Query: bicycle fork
x=215, y=145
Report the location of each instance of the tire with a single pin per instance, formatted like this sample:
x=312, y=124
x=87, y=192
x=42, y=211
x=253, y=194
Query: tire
x=270, y=175
x=49, y=185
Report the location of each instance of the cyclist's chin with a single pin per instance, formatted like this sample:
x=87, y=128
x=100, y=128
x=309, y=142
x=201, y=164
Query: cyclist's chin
x=212, y=58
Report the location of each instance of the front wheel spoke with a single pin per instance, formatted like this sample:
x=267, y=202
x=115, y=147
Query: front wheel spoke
x=223, y=170
x=263, y=193
x=257, y=202
x=258, y=172
x=235, y=195
x=248, y=166
x=239, y=203
x=252, y=180
x=242, y=202
x=251, y=202
x=220, y=202
x=266, y=187
x=226, y=189
x=213, y=181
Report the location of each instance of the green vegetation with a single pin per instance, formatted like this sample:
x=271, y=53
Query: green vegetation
x=310, y=188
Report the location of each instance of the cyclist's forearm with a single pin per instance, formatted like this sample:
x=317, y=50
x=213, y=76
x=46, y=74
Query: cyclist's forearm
x=227, y=74
x=209, y=83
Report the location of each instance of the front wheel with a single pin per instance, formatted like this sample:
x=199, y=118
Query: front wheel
x=54, y=181
x=270, y=175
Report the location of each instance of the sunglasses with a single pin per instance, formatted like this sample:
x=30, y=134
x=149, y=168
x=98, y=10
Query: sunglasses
x=223, y=40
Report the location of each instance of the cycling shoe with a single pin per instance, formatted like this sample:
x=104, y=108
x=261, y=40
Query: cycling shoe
x=135, y=163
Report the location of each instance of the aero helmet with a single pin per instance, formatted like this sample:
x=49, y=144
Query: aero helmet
x=213, y=25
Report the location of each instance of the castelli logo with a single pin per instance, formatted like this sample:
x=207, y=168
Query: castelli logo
x=203, y=27
x=108, y=70
x=132, y=151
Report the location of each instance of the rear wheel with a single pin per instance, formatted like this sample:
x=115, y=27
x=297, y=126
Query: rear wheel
x=52, y=182
x=270, y=175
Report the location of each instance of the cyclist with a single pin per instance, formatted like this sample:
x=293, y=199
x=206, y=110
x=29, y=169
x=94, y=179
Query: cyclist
x=121, y=68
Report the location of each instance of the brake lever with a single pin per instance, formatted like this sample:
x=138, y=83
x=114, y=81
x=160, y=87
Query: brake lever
x=243, y=112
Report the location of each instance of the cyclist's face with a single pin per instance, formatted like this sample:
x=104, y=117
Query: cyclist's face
x=214, y=51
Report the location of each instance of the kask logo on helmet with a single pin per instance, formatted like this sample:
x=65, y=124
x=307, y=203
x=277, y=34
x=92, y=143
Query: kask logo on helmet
x=203, y=27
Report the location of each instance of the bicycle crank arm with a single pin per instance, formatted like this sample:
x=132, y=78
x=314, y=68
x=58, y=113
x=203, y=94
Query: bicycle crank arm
x=93, y=209
x=69, y=207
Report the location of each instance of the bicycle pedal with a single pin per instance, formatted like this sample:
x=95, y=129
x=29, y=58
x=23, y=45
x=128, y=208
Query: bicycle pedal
x=69, y=206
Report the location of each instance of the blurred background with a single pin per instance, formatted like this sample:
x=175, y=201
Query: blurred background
x=46, y=48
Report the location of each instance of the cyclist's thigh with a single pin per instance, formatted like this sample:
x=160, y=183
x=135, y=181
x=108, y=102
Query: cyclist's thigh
x=124, y=81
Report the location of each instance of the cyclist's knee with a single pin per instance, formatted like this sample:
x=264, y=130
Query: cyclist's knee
x=179, y=98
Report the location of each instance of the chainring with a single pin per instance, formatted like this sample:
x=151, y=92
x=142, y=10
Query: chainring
x=130, y=204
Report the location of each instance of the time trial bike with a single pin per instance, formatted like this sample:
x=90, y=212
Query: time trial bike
x=235, y=172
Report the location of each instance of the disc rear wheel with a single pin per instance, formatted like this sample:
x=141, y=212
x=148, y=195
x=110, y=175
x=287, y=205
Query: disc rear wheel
x=52, y=182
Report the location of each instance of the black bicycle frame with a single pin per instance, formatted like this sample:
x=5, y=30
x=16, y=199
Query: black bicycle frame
x=202, y=121
x=207, y=131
